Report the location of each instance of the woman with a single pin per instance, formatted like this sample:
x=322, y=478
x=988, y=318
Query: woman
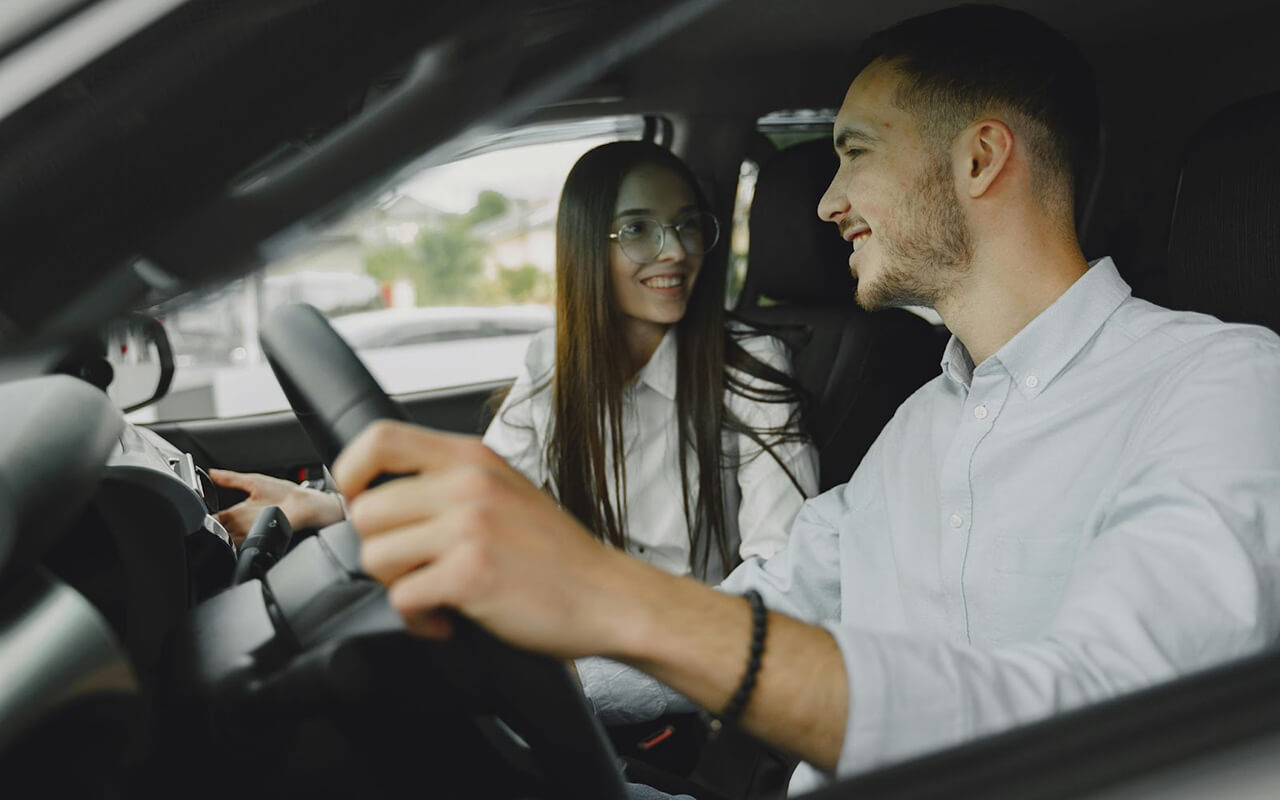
x=641, y=367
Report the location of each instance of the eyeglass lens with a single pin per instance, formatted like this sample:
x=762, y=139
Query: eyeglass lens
x=643, y=238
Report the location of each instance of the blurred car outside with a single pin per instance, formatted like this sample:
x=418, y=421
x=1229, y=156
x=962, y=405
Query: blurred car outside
x=406, y=350
x=419, y=349
x=398, y=327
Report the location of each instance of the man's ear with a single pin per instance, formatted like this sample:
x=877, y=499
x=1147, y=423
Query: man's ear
x=987, y=146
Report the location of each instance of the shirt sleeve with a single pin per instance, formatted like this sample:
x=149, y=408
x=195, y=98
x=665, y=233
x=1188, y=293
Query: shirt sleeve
x=803, y=579
x=1182, y=572
x=620, y=695
x=513, y=433
x=769, y=498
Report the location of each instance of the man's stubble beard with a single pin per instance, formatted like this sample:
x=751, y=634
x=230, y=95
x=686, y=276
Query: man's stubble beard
x=929, y=253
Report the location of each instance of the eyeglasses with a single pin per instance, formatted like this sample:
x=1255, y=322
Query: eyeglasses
x=642, y=239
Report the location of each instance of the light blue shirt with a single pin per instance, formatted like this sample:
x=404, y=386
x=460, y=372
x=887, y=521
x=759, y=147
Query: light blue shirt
x=1094, y=508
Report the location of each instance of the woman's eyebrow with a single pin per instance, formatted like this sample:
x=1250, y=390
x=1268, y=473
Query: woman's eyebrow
x=648, y=212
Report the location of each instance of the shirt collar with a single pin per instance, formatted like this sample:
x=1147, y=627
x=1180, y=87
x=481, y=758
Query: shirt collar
x=956, y=363
x=659, y=373
x=1038, y=353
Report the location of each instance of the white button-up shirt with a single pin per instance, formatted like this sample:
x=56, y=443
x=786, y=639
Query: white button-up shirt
x=1112, y=519
x=760, y=500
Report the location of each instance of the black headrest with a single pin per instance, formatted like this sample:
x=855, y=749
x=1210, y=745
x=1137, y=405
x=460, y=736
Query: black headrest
x=1224, y=244
x=795, y=256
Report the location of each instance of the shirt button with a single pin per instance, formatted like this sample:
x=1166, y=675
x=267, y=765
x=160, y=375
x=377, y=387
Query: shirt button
x=956, y=520
x=980, y=412
x=1032, y=381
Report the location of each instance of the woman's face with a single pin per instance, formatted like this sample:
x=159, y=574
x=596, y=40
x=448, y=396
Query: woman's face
x=653, y=295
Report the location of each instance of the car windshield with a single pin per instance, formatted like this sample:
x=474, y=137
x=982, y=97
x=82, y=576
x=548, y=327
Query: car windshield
x=440, y=280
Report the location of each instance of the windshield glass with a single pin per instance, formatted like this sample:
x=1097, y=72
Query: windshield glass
x=438, y=282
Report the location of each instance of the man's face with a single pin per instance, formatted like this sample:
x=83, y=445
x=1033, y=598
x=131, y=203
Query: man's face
x=894, y=199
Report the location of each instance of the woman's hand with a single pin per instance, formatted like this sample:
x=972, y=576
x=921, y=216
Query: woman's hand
x=303, y=507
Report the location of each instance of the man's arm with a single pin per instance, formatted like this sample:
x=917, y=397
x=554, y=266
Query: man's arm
x=466, y=532
x=801, y=581
x=697, y=641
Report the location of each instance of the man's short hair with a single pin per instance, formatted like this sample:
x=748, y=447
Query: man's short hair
x=961, y=63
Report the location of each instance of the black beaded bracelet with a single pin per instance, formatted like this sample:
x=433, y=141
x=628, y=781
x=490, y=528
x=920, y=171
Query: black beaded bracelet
x=759, y=627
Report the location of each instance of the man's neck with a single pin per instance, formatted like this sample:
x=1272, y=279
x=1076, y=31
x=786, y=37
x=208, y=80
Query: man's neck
x=1007, y=286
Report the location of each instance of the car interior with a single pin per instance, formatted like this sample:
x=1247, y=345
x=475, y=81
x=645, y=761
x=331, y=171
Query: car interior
x=152, y=151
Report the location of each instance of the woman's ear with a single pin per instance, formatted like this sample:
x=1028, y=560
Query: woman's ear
x=987, y=147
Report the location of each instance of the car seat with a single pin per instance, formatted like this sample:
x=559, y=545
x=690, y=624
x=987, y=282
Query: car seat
x=1224, y=241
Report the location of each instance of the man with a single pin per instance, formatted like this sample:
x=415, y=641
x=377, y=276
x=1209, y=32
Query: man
x=1084, y=502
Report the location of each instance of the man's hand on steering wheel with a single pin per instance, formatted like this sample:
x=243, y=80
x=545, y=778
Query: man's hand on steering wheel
x=465, y=531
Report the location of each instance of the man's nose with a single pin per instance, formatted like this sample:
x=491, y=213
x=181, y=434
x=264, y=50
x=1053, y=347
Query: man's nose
x=834, y=202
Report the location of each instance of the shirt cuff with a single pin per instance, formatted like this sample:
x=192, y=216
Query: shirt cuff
x=621, y=695
x=886, y=722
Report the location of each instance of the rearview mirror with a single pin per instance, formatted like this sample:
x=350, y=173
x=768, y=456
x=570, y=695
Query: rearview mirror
x=141, y=361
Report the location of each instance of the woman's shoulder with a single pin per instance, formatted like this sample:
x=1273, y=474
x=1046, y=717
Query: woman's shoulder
x=762, y=344
x=540, y=357
x=528, y=395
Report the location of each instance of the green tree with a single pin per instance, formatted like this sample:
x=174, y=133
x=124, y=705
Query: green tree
x=525, y=284
x=446, y=263
x=452, y=262
x=489, y=205
x=390, y=262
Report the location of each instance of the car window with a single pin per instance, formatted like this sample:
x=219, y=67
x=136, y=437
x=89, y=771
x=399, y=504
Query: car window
x=439, y=281
x=739, y=235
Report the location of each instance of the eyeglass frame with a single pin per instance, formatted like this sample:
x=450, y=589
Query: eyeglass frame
x=616, y=236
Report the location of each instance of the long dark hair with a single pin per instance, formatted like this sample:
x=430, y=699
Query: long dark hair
x=592, y=367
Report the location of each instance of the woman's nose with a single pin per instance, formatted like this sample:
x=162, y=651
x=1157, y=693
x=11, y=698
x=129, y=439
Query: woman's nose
x=672, y=247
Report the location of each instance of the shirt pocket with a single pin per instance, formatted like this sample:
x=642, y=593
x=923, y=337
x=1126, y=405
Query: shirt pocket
x=1030, y=578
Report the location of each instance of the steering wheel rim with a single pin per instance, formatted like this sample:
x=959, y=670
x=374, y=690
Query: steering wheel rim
x=335, y=397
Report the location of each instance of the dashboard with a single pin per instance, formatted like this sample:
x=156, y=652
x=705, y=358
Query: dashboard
x=146, y=471
x=175, y=472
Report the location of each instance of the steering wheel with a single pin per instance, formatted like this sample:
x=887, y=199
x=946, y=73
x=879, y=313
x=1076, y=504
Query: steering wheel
x=335, y=397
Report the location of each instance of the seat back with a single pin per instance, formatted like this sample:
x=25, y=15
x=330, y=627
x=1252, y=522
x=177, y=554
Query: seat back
x=1224, y=243
x=857, y=367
